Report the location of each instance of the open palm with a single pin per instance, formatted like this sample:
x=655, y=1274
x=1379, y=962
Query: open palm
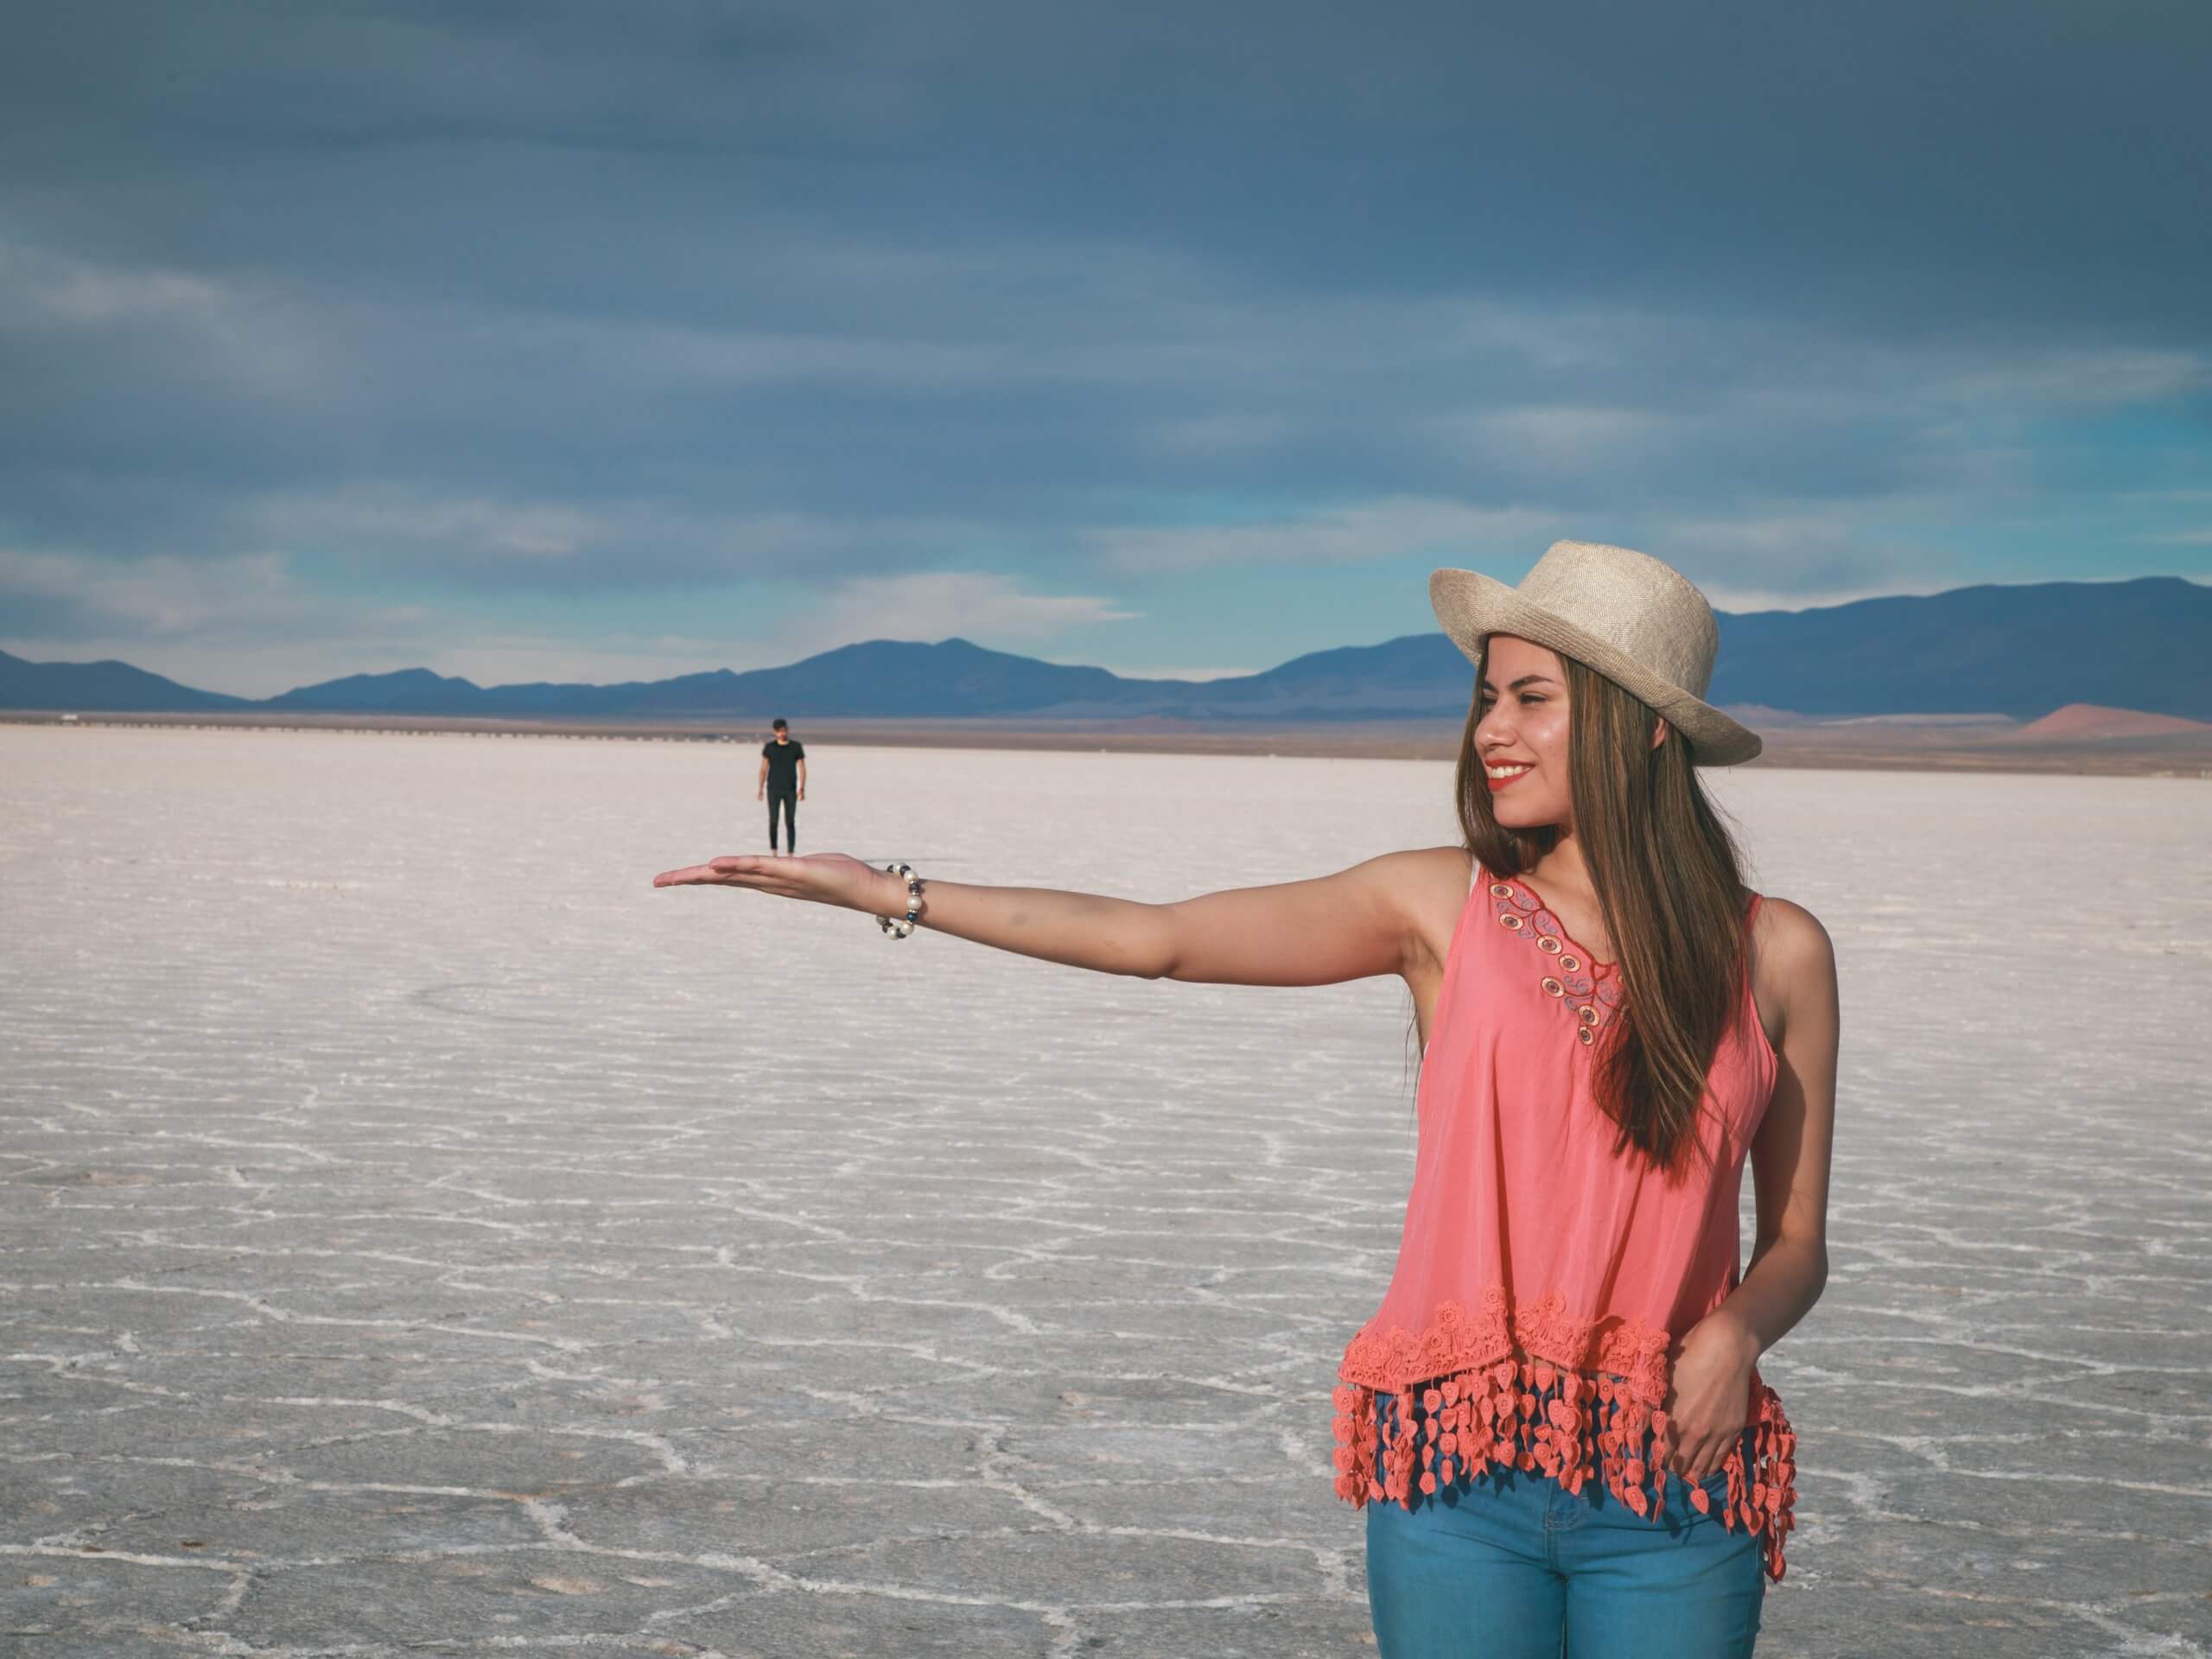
x=823, y=878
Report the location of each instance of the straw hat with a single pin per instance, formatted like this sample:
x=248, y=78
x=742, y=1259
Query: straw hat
x=1637, y=621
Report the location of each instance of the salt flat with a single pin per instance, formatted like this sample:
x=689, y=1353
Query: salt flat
x=420, y=1235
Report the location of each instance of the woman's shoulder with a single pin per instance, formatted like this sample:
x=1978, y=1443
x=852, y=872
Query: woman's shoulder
x=1426, y=865
x=1435, y=870
x=1427, y=888
x=1786, y=922
x=1789, y=948
x=1413, y=882
x=1424, y=880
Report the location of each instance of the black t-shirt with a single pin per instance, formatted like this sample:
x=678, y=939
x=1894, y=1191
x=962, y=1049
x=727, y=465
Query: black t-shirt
x=783, y=761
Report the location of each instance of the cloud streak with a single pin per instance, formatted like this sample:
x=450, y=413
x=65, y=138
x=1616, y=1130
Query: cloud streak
x=1370, y=530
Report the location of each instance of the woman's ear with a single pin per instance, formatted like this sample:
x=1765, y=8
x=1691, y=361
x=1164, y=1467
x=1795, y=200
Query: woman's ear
x=1659, y=730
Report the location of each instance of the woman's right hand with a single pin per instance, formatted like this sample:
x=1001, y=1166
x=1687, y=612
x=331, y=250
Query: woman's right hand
x=823, y=878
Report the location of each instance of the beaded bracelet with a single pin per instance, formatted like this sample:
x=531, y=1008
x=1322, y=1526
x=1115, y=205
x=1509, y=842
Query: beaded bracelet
x=904, y=925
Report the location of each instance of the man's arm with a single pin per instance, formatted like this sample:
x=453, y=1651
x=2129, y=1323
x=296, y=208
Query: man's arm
x=802, y=776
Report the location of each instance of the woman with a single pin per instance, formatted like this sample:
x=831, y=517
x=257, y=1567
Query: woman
x=1555, y=1421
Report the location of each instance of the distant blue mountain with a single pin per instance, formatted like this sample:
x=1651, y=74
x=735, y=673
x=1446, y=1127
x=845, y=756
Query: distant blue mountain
x=102, y=685
x=2022, y=652
x=881, y=677
x=410, y=692
x=2145, y=644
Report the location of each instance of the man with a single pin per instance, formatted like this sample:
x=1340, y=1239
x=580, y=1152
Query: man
x=783, y=781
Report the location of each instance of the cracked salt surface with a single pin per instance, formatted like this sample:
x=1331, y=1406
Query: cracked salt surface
x=421, y=1236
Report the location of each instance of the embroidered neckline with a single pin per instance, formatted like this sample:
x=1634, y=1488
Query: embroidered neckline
x=1590, y=990
x=1543, y=903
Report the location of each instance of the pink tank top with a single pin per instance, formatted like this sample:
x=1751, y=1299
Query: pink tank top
x=1542, y=1279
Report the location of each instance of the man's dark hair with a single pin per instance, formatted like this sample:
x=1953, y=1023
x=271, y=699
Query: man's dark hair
x=779, y=725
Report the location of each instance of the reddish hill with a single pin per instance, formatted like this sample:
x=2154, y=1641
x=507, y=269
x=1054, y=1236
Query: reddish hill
x=2078, y=722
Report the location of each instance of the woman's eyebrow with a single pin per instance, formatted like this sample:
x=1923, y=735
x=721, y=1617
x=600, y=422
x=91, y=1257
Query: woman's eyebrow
x=1526, y=679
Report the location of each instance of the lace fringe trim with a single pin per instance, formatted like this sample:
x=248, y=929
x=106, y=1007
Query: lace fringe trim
x=1532, y=1414
x=1457, y=1340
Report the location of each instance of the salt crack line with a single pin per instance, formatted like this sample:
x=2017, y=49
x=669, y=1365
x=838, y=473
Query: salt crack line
x=671, y=1460
x=127, y=1557
x=286, y=1316
x=551, y=1519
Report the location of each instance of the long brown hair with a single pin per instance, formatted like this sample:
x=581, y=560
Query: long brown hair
x=1669, y=880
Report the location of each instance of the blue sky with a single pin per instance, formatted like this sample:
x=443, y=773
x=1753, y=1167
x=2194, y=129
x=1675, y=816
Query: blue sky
x=563, y=341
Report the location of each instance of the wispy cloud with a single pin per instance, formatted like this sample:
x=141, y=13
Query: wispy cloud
x=1792, y=562
x=1370, y=530
x=248, y=625
x=565, y=541
x=218, y=330
x=939, y=604
x=2072, y=377
x=223, y=603
x=1562, y=438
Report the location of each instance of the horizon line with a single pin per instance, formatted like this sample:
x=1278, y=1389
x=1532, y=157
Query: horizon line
x=1152, y=677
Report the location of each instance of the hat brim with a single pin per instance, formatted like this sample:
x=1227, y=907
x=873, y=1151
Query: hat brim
x=1472, y=607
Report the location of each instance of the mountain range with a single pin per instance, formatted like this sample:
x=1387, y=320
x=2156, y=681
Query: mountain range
x=2017, y=651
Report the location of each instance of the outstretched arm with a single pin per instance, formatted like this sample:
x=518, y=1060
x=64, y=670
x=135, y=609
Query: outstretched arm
x=1356, y=923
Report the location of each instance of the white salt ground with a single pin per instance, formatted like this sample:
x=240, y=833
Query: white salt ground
x=415, y=1227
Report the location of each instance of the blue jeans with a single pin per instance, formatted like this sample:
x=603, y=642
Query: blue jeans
x=1510, y=1565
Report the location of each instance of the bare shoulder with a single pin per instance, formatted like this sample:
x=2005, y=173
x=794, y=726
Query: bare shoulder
x=1791, y=937
x=1428, y=885
x=1424, y=873
x=1793, y=959
x=1448, y=864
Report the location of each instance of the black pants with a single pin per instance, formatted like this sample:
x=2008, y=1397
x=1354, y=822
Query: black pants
x=789, y=801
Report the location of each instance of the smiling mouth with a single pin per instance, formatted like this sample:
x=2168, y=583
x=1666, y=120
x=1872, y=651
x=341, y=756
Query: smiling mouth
x=1503, y=776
